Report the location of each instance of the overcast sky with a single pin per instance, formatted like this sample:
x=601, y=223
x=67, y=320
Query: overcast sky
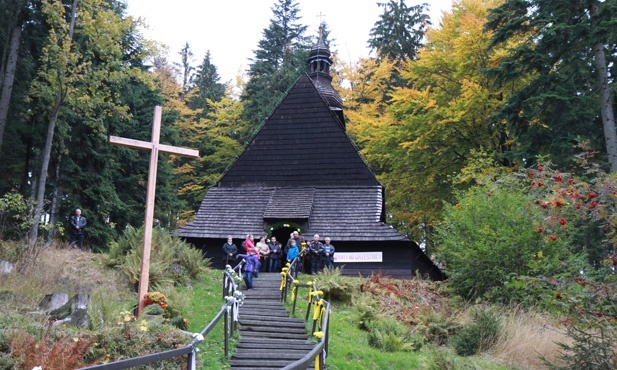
x=231, y=29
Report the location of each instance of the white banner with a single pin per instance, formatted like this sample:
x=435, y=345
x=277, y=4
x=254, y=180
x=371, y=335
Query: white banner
x=342, y=257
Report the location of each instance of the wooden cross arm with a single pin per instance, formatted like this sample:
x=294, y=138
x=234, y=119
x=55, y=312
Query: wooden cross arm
x=144, y=145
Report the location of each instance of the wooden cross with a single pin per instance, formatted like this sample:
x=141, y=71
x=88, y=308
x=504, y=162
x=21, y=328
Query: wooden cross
x=154, y=147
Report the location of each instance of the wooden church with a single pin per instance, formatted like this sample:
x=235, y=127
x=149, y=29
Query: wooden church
x=301, y=171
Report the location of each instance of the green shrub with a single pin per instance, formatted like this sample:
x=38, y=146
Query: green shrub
x=592, y=330
x=591, y=349
x=495, y=226
x=365, y=307
x=172, y=261
x=154, y=309
x=390, y=335
x=180, y=322
x=336, y=287
x=436, y=327
x=481, y=334
x=15, y=219
x=133, y=339
x=9, y=250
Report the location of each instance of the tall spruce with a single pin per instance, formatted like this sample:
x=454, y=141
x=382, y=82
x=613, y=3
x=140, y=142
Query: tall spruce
x=399, y=31
x=280, y=59
x=568, y=47
x=207, y=87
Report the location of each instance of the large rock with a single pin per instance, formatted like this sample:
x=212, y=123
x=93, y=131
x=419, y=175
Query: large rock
x=54, y=301
x=74, y=312
x=6, y=267
x=79, y=310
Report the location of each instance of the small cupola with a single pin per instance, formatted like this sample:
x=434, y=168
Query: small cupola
x=319, y=72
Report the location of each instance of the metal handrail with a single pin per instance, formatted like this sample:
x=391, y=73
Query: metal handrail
x=321, y=323
x=233, y=301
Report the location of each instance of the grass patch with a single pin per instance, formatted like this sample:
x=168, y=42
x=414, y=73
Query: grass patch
x=204, y=300
x=349, y=347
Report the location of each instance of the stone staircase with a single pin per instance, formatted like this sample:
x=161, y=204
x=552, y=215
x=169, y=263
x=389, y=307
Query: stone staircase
x=269, y=338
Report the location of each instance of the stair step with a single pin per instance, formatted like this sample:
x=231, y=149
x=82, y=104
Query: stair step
x=269, y=338
x=260, y=363
x=292, y=355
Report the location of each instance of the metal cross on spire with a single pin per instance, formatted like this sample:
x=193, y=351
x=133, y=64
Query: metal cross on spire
x=154, y=147
x=321, y=25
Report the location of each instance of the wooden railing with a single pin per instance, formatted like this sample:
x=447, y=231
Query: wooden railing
x=320, y=318
x=229, y=312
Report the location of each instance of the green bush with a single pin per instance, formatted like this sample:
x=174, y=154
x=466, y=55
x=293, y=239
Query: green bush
x=436, y=327
x=335, y=286
x=390, y=335
x=592, y=330
x=154, y=309
x=481, y=334
x=15, y=219
x=366, y=308
x=172, y=261
x=494, y=226
x=180, y=322
x=591, y=349
x=133, y=339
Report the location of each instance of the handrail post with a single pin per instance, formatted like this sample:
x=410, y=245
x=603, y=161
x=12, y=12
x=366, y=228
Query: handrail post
x=227, y=332
x=308, y=307
x=297, y=288
x=191, y=361
x=191, y=358
x=327, y=333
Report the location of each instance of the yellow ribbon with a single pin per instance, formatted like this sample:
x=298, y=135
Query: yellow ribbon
x=317, y=309
x=293, y=293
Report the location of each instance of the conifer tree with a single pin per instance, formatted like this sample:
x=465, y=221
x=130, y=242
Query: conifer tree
x=280, y=59
x=206, y=87
x=568, y=47
x=399, y=32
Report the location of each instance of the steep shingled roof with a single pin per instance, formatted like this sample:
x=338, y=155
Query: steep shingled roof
x=303, y=143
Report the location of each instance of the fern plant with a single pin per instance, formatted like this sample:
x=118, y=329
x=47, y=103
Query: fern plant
x=366, y=308
x=172, y=261
x=336, y=287
x=436, y=327
x=389, y=335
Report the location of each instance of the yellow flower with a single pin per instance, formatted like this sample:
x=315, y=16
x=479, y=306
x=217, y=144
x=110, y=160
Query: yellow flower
x=75, y=339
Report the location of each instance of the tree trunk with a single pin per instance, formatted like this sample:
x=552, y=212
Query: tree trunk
x=40, y=194
x=9, y=77
x=56, y=201
x=606, y=99
x=606, y=107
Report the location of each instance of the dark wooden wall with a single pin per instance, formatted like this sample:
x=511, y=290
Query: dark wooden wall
x=401, y=259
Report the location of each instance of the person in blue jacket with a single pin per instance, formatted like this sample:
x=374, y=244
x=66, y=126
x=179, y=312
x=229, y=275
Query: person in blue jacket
x=293, y=253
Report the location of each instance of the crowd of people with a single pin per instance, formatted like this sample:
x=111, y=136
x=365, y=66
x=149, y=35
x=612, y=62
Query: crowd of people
x=269, y=255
